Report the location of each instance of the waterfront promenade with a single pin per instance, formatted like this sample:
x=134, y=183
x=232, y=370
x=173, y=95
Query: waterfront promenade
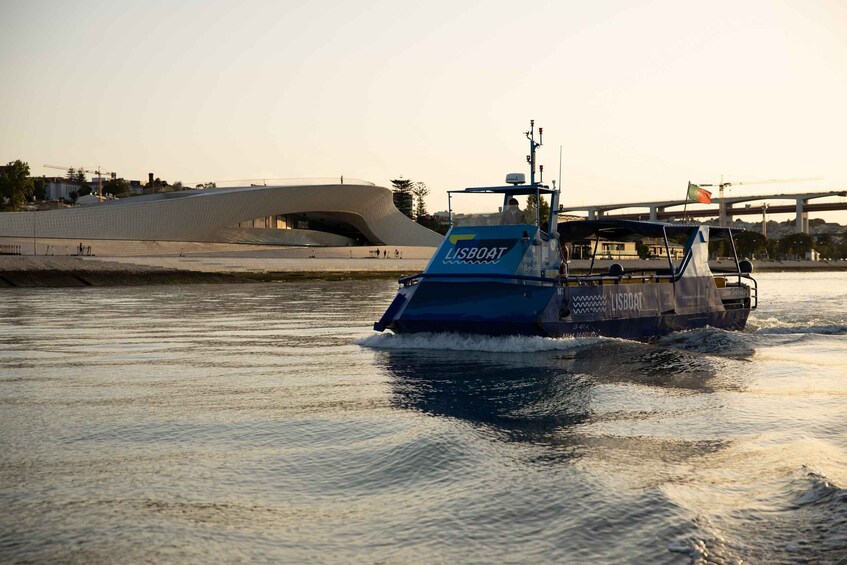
x=118, y=263
x=132, y=263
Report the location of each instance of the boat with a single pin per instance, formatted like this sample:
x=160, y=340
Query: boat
x=514, y=279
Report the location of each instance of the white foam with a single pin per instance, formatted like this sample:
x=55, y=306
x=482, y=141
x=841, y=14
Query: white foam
x=473, y=342
x=810, y=326
x=709, y=340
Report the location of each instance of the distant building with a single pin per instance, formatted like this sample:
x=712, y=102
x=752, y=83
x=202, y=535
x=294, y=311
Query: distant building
x=491, y=219
x=617, y=250
x=309, y=215
x=656, y=248
x=58, y=188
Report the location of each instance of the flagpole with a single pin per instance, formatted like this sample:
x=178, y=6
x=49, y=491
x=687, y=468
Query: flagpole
x=685, y=207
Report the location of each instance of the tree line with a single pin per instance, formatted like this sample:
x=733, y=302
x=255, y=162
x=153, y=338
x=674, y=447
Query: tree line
x=409, y=199
x=17, y=187
x=753, y=245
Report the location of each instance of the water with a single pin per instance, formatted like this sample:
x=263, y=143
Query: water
x=268, y=422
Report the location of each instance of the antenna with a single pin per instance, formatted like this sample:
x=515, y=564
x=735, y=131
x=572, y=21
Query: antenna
x=530, y=135
x=560, y=168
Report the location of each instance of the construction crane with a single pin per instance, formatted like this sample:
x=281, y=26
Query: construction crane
x=90, y=172
x=722, y=185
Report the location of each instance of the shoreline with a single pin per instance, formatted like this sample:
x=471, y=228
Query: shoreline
x=44, y=271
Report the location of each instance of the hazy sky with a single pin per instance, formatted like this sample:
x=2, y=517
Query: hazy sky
x=642, y=96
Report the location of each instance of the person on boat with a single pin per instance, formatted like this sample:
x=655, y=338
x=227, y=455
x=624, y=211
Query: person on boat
x=512, y=214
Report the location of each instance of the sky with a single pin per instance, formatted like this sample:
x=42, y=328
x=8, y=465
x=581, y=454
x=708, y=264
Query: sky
x=642, y=97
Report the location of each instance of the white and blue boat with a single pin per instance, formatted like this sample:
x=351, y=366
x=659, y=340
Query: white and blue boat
x=513, y=279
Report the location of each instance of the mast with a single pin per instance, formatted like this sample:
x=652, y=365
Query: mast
x=530, y=135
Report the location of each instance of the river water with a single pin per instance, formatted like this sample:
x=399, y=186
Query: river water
x=268, y=422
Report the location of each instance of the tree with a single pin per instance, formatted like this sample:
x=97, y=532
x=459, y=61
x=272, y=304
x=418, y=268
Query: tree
x=749, y=244
x=77, y=177
x=15, y=184
x=39, y=185
x=434, y=223
x=402, y=185
x=718, y=248
x=544, y=209
x=419, y=190
x=796, y=245
x=772, y=248
x=116, y=187
x=403, y=199
x=825, y=245
x=840, y=251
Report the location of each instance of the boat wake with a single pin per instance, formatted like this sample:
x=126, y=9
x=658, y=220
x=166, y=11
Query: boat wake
x=818, y=516
x=473, y=342
x=774, y=326
x=711, y=341
x=708, y=341
x=815, y=489
x=809, y=525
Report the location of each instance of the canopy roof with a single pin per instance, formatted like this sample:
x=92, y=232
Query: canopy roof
x=517, y=190
x=630, y=230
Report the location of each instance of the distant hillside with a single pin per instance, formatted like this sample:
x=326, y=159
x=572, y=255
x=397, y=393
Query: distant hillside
x=777, y=230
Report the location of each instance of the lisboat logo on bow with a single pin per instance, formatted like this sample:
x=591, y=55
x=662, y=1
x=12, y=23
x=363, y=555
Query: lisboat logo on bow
x=468, y=251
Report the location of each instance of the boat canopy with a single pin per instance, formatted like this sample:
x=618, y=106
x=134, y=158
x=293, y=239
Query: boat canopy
x=516, y=190
x=630, y=230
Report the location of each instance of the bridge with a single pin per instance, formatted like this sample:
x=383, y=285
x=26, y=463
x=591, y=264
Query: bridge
x=726, y=208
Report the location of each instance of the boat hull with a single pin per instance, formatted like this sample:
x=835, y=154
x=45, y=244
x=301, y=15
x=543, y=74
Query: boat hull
x=640, y=311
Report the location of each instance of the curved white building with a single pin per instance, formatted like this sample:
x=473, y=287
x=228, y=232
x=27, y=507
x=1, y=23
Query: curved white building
x=320, y=215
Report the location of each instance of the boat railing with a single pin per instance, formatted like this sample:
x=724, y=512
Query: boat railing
x=733, y=279
x=631, y=277
x=754, y=291
x=588, y=280
x=578, y=279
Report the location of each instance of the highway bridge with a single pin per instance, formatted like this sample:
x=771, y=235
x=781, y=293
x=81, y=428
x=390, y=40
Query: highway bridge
x=726, y=210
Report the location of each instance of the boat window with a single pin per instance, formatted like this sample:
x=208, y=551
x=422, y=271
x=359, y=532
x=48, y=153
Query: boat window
x=679, y=244
x=491, y=210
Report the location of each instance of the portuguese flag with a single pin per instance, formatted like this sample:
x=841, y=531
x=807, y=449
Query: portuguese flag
x=698, y=194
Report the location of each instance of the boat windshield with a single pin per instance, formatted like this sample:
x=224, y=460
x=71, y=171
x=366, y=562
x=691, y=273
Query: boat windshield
x=507, y=205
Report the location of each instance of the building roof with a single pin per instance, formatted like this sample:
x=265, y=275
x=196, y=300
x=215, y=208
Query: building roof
x=213, y=215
